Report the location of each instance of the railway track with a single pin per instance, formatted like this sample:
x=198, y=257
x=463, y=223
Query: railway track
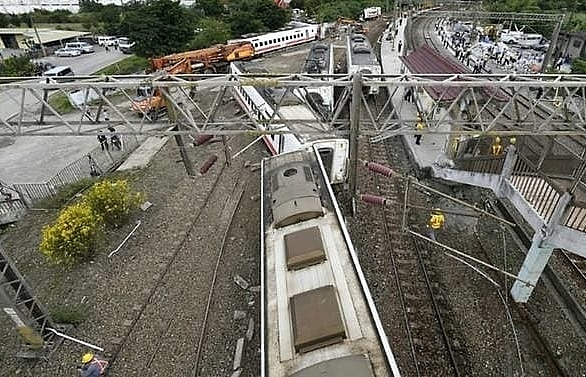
x=409, y=280
x=544, y=349
x=191, y=337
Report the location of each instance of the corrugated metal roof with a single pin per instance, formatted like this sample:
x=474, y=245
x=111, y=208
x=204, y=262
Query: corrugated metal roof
x=46, y=35
x=426, y=60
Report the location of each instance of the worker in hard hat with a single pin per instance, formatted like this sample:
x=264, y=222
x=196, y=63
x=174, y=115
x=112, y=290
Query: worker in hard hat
x=419, y=126
x=436, y=222
x=92, y=366
x=496, y=147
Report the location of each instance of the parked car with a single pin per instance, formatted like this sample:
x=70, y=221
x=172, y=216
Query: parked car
x=84, y=47
x=56, y=72
x=67, y=52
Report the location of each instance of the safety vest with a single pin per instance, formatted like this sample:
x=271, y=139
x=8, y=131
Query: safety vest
x=420, y=126
x=436, y=221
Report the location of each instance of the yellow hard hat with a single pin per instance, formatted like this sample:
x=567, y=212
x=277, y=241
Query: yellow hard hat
x=437, y=211
x=497, y=139
x=512, y=140
x=87, y=358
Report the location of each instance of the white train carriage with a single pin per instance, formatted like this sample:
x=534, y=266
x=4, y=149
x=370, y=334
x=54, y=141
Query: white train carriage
x=360, y=57
x=304, y=126
x=320, y=60
x=318, y=317
x=301, y=33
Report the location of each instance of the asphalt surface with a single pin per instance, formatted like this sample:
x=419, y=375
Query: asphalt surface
x=30, y=159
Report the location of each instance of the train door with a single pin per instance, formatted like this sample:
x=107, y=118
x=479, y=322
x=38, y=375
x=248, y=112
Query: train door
x=334, y=155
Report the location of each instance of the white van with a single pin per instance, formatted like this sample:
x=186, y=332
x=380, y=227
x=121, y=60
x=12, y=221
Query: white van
x=84, y=47
x=60, y=71
x=107, y=41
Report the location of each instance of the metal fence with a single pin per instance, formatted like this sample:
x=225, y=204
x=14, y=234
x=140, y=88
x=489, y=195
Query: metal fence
x=92, y=164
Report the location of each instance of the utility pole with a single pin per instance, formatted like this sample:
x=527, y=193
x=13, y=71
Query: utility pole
x=553, y=45
x=38, y=36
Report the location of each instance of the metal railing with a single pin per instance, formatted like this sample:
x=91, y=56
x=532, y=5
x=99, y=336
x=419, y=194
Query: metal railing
x=481, y=164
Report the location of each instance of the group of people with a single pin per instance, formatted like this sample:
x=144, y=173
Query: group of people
x=109, y=138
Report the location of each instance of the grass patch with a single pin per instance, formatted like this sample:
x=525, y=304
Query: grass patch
x=73, y=315
x=126, y=66
x=60, y=102
x=65, y=194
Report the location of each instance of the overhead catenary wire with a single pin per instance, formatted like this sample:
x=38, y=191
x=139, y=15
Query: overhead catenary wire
x=464, y=255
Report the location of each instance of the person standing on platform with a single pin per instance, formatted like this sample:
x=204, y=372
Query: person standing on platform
x=103, y=140
x=399, y=45
x=419, y=126
x=496, y=147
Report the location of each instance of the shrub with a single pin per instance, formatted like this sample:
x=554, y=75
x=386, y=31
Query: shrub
x=72, y=236
x=113, y=201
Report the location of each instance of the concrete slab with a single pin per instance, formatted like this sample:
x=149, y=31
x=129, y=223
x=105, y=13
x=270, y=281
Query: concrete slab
x=142, y=155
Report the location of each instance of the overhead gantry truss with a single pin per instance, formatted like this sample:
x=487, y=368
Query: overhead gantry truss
x=469, y=104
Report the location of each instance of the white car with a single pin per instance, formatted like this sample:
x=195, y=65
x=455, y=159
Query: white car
x=84, y=47
x=67, y=52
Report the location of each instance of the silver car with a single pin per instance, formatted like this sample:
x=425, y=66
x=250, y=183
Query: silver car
x=67, y=52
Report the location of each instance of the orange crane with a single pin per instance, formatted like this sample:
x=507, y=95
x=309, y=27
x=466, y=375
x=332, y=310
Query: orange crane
x=207, y=60
x=356, y=26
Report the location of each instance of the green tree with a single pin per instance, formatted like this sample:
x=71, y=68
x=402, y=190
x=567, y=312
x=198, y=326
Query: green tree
x=252, y=16
x=89, y=6
x=159, y=27
x=209, y=8
x=17, y=66
x=579, y=66
x=212, y=31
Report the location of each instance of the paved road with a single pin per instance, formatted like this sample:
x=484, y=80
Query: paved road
x=30, y=159
x=87, y=64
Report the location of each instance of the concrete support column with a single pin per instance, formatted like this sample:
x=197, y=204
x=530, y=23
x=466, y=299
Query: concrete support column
x=508, y=166
x=538, y=255
x=533, y=266
x=510, y=161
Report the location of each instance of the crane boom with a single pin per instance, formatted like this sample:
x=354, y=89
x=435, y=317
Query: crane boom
x=211, y=58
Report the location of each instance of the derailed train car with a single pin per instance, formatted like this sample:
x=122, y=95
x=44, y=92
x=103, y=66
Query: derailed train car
x=318, y=317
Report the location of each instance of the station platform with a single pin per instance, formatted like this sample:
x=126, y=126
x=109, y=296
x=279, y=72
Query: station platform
x=432, y=147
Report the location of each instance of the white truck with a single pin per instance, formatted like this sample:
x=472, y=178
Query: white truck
x=371, y=13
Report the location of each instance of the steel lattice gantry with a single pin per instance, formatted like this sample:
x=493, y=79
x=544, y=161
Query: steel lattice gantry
x=494, y=104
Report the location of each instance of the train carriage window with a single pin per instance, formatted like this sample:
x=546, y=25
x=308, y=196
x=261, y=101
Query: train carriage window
x=316, y=319
x=304, y=248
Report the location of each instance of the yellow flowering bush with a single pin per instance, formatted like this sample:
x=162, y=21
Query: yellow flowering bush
x=72, y=236
x=113, y=201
